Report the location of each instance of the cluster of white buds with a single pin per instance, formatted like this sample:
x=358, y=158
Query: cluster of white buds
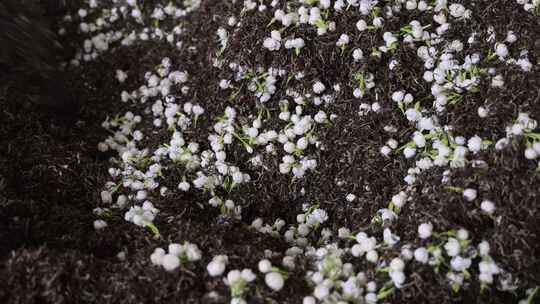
x=273, y=43
x=308, y=222
x=178, y=254
x=238, y=284
x=141, y=216
x=365, y=245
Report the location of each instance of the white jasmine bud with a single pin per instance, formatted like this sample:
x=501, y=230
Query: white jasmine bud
x=320, y=117
x=309, y=300
x=371, y=298
x=409, y=152
x=217, y=266
x=343, y=40
x=248, y=275
x=487, y=206
x=321, y=292
x=106, y=197
x=470, y=194
x=501, y=50
x=357, y=54
x=474, y=144
x=318, y=87
x=462, y=234
x=501, y=144
x=459, y=263
x=385, y=150
x=530, y=153
x=411, y=5
x=483, y=248
x=425, y=230
x=274, y=280
x=184, y=186
x=452, y=247
x=497, y=81
x=356, y=250
x=157, y=256
x=344, y=232
x=421, y=255
x=99, y=224
x=398, y=96
x=121, y=76
x=482, y=112
x=170, y=262
x=398, y=278
x=511, y=37
x=392, y=143
x=399, y=199
x=457, y=10
x=361, y=25
x=372, y=256
x=419, y=139
x=265, y=266
x=397, y=264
